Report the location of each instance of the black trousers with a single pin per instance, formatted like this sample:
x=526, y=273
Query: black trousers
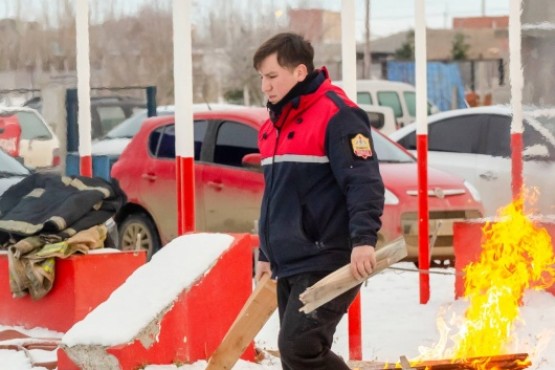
x=305, y=340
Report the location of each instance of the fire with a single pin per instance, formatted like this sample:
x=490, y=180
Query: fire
x=516, y=255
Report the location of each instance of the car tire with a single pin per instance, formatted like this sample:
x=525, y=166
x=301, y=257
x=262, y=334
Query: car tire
x=139, y=224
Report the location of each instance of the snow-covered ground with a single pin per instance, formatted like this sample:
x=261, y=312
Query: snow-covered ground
x=394, y=323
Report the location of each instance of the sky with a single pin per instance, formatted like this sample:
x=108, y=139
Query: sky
x=387, y=16
x=394, y=323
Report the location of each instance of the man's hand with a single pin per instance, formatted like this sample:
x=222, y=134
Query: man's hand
x=363, y=261
x=261, y=269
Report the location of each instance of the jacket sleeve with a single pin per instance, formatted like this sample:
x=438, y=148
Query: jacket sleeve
x=357, y=172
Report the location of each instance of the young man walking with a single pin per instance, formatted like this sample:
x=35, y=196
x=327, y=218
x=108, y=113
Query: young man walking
x=323, y=195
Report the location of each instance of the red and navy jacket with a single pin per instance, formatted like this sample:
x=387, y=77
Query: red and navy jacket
x=323, y=193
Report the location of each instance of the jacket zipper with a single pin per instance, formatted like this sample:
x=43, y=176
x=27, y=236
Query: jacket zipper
x=271, y=185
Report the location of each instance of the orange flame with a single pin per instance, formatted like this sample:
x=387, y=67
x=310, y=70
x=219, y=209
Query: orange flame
x=516, y=255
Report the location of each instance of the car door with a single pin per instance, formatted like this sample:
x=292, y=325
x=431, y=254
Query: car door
x=454, y=146
x=232, y=193
x=158, y=185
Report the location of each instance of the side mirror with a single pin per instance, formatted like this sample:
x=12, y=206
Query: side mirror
x=2, y=129
x=253, y=160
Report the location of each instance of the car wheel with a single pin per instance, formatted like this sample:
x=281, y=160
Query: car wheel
x=139, y=226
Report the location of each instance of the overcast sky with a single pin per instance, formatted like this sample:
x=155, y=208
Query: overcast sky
x=387, y=16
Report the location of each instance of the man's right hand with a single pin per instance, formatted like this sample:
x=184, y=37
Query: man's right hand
x=261, y=269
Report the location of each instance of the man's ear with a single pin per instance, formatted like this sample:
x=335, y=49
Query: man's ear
x=300, y=72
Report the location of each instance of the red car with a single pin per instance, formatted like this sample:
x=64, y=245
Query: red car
x=229, y=190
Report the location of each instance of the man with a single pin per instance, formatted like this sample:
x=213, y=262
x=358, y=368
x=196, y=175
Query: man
x=323, y=195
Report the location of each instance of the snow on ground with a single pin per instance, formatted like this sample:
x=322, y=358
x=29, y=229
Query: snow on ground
x=394, y=323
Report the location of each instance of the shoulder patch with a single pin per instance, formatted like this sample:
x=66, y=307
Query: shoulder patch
x=361, y=146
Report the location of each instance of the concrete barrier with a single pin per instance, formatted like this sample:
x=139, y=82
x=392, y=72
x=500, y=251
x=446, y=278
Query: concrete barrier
x=175, y=309
x=467, y=243
x=81, y=283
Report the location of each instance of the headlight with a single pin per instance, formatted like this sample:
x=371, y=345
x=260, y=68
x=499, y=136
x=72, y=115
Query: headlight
x=390, y=198
x=473, y=191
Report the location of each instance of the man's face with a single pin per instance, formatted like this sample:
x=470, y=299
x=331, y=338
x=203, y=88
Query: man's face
x=276, y=81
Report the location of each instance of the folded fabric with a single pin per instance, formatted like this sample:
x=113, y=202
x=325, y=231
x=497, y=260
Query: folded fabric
x=32, y=261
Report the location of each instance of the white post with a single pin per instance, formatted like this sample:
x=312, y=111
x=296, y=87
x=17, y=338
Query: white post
x=183, y=78
x=348, y=48
x=83, y=85
x=184, y=134
x=421, y=77
x=515, y=65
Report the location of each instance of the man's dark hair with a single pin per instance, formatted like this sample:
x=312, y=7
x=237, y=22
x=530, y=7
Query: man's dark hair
x=291, y=49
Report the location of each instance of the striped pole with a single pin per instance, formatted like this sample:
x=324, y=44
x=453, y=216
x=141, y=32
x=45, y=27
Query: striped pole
x=349, y=77
x=517, y=83
x=83, y=86
x=421, y=76
x=184, y=137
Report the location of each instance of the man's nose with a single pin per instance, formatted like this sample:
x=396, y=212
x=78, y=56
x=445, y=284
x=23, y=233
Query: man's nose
x=266, y=86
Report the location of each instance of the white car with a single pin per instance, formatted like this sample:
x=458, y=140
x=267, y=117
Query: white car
x=113, y=143
x=475, y=143
x=32, y=139
x=399, y=96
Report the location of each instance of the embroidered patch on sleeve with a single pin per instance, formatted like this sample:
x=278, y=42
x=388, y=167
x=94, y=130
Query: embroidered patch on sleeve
x=361, y=146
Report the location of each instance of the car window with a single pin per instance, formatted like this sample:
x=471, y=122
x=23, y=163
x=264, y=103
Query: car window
x=388, y=151
x=364, y=98
x=161, y=143
x=457, y=134
x=410, y=100
x=498, y=136
x=129, y=127
x=532, y=136
x=391, y=99
x=10, y=165
x=234, y=140
x=110, y=117
x=32, y=127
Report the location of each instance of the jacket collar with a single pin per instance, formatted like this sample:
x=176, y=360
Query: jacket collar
x=308, y=86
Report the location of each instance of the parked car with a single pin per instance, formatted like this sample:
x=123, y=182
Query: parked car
x=399, y=96
x=115, y=141
x=229, y=188
x=106, y=111
x=11, y=171
x=475, y=143
x=381, y=118
x=24, y=133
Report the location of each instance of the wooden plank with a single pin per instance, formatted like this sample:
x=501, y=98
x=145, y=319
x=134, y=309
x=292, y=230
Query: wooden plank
x=342, y=279
x=506, y=362
x=499, y=362
x=254, y=314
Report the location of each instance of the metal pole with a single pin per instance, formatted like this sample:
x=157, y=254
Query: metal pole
x=349, y=76
x=421, y=76
x=184, y=137
x=517, y=83
x=83, y=86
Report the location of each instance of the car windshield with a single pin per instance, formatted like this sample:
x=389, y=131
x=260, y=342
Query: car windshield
x=10, y=166
x=389, y=152
x=129, y=127
x=32, y=127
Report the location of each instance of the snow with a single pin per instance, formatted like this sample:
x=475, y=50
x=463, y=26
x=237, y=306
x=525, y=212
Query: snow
x=394, y=323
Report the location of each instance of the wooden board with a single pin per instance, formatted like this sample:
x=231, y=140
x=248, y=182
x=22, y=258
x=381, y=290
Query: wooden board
x=342, y=279
x=505, y=362
x=256, y=311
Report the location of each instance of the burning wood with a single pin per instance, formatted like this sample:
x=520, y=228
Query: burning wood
x=500, y=362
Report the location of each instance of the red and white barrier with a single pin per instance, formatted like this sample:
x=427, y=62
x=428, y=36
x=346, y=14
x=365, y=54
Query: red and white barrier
x=82, y=282
x=175, y=309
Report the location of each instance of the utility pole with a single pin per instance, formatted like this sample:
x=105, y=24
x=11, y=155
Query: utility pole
x=367, y=58
x=483, y=8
